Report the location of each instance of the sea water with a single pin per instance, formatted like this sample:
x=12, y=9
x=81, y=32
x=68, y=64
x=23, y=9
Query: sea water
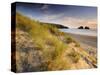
x=88, y=32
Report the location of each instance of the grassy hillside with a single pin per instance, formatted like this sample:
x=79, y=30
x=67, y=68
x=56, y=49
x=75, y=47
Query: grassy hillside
x=42, y=47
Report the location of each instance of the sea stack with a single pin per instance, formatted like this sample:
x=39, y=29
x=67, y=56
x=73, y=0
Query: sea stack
x=81, y=27
x=87, y=27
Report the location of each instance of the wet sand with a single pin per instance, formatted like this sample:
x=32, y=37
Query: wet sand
x=85, y=41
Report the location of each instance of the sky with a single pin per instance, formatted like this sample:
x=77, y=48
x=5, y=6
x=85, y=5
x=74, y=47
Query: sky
x=68, y=15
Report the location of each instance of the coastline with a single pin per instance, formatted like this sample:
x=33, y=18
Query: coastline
x=85, y=39
x=88, y=43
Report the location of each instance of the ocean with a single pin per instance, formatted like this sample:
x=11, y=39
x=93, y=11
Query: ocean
x=88, y=32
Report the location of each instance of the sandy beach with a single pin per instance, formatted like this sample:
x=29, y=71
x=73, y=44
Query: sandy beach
x=85, y=41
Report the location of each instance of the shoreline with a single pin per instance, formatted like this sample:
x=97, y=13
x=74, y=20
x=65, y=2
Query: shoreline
x=85, y=40
x=82, y=32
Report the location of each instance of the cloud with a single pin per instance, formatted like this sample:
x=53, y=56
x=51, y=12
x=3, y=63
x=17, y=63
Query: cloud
x=51, y=17
x=76, y=22
x=45, y=7
x=92, y=23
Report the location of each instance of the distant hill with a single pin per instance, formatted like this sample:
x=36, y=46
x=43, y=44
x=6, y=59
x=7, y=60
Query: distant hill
x=56, y=25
